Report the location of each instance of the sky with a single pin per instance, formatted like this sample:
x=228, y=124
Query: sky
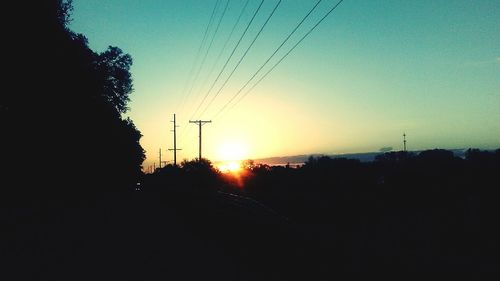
x=371, y=71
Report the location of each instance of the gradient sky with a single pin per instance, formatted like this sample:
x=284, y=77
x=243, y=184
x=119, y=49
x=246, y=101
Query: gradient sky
x=371, y=71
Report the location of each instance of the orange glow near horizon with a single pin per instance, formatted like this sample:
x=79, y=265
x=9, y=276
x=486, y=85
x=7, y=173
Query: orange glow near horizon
x=232, y=151
x=230, y=167
x=233, y=172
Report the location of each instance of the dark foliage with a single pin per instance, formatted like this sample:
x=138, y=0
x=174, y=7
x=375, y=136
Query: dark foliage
x=61, y=115
x=402, y=213
x=191, y=176
x=114, y=68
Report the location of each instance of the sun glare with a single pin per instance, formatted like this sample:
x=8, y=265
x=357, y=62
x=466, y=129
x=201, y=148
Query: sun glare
x=232, y=151
x=230, y=167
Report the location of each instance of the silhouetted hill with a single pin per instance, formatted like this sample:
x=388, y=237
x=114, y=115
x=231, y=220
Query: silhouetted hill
x=364, y=157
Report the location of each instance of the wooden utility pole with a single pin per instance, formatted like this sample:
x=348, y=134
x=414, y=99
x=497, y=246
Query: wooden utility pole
x=175, y=142
x=200, y=123
x=160, y=159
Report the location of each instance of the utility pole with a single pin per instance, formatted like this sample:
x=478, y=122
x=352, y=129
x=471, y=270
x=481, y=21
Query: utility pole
x=404, y=142
x=175, y=142
x=200, y=123
x=160, y=159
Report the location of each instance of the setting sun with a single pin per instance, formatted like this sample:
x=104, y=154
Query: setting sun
x=230, y=167
x=232, y=151
x=230, y=154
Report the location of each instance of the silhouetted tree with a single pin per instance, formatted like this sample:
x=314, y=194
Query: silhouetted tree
x=248, y=164
x=394, y=157
x=200, y=173
x=436, y=155
x=114, y=68
x=63, y=10
x=61, y=120
x=480, y=156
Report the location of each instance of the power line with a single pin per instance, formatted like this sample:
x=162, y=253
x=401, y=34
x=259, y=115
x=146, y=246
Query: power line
x=284, y=56
x=209, y=47
x=198, y=53
x=242, y=57
x=225, y=43
x=185, y=133
x=206, y=53
x=270, y=57
x=229, y=58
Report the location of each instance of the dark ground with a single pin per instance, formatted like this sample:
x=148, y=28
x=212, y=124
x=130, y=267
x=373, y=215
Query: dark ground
x=179, y=235
x=144, y=236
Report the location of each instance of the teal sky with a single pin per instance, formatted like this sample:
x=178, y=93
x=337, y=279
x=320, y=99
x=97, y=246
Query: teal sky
x=371, y=71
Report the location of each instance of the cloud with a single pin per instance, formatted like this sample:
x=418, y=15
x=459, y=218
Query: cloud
x=385, y=149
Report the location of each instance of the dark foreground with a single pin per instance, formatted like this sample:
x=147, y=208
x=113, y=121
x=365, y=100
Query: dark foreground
x=178, y=235
x=147, y=236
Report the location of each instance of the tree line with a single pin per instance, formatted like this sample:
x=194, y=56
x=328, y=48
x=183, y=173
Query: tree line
x=410, y=212
x=62, y=109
